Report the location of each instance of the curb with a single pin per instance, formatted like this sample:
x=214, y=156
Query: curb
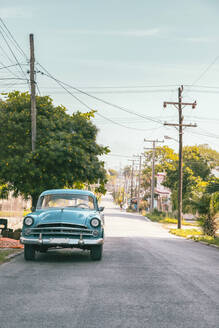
x=11, y=256
x=199, y=242
x=204, y=243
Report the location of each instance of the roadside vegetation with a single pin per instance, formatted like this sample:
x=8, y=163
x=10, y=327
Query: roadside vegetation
x=196, y=235
x=163, y=218
x=186, y=232
x=207, y=239
x=66, y=155
x=4, y=253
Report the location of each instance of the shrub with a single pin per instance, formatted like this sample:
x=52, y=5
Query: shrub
x=209, y=225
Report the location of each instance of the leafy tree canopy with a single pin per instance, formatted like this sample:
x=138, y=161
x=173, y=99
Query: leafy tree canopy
x=66, y=148
x=197, y=164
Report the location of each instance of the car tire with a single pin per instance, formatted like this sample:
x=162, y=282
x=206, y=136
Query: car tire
x=96, y=253
x=29, y=252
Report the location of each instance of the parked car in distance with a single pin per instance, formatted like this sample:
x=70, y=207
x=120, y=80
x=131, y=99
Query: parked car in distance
x=64, y=218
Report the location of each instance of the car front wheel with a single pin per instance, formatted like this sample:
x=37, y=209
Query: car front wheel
x=96, y=253
x=29, y=252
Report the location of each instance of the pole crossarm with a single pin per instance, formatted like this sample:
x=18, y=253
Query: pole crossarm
x=178, y=103
x=150, y=140
x=186, y=125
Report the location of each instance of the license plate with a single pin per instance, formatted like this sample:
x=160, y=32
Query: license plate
x=59, y=240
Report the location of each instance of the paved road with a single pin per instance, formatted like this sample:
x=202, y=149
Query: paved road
x=147, y=278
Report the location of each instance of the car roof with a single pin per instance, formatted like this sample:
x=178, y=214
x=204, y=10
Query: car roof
x=67, y=191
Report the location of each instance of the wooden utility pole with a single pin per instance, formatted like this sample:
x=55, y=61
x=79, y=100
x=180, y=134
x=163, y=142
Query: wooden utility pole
x=153, y=170
x=139, y=181
x=179, y=105
x=33, y=94
x=132, y=176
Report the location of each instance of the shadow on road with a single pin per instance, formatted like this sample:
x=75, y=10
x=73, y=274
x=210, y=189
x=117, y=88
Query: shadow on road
x=64, y=256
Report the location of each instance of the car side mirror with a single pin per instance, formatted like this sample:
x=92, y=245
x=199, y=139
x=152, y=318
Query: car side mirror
x=101, y=209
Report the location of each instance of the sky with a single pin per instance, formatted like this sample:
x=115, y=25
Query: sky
x=133, y=54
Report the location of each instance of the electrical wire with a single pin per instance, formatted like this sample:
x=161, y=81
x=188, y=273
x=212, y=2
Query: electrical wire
x=11, y=72
x=205, y=71
x=5, y=67
x=14, y=40
x=102, y=116
x=99, y=99
x=12, y=52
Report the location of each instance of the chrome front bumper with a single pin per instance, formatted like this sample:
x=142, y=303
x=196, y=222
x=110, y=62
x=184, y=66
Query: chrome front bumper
x=61, y=241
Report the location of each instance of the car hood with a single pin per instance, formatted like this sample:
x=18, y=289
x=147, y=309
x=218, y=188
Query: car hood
x=63, y=215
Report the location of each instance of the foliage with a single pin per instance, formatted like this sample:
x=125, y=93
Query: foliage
x=195, y=175
x=175, y=221
x=162, y=218
x=156, y=216
x=66, y=149
x=208, y=208
x=113, y=172
x=127, y=171
x=4, y=191
x=185, y=232
x=210, y=155
x=207, y=239
x=5, y=253
x=118, y=195
x=197, y=164
x=143, y=205
x=213, y=185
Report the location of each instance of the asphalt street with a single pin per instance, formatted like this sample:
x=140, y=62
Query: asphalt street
x=147, y=278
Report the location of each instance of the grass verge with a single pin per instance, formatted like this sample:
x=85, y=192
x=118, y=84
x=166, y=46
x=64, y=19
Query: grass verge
x=4, y=253
x=185, y=233
x=161, y=219
x=195, y=235
x=207, y=239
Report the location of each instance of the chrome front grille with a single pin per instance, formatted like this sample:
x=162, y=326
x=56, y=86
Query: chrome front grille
x=59, y=229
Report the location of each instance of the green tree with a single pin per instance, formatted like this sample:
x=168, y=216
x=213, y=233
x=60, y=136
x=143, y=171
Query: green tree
x=210, y=155
x=207, y=205
x=197, y=164
x=66, y=149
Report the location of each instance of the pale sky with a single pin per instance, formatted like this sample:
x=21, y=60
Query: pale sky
x=133, y=54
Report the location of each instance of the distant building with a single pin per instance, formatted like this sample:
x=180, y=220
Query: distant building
x=163, y=194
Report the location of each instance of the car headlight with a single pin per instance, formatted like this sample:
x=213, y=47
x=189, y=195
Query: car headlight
x=28, y=221
x=95, y=223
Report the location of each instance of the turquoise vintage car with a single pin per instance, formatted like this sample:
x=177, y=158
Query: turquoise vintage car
x=64, y=218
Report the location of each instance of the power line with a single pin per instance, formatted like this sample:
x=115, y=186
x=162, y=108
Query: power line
x=123, y=92
x=5, y=67
x=10, y=61
x=12, y=52
x=205, y=135
x=11, y=78
x=205, y=71
x=99, y=99
x=88, y=107
x=13, y=39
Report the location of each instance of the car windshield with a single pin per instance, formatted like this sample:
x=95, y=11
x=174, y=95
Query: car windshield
x=66, y=200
